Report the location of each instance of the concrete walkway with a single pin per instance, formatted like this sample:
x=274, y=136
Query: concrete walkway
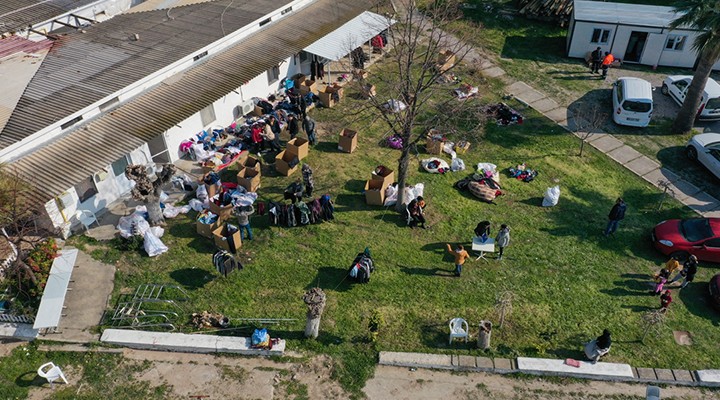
x=543, y=366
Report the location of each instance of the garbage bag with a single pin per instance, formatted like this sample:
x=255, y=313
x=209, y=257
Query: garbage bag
x=196, y=205
x=552, y=195
x=153, y=245
x=201, y=193
x=457, y=164
x=133, y=224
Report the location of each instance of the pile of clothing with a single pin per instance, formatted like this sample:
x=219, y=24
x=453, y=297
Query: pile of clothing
x=523, y=173
x=465, y=91
x=313, y=211
x=435, y=165
x=482, y=187
x=503, y=114
x=136, y=224
x=362, y=267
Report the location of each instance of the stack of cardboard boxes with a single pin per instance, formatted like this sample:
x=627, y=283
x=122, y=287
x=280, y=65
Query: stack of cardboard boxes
x=249, y=174
x=288, y=160
x=330, y=93
x=375, y=187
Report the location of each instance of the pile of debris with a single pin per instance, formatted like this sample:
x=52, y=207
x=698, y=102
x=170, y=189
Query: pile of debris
x=209, y=320
x=547, y=10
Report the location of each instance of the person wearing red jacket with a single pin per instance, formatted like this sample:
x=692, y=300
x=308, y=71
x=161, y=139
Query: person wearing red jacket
x=665, y=300
x=606, y=63
x=256, y=137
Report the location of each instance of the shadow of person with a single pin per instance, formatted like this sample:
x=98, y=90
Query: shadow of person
x=426, y=271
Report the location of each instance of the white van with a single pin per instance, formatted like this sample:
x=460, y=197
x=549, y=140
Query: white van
x=632, y=102
x=676, y=86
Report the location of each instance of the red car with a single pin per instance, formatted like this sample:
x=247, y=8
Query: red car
x=682, y=237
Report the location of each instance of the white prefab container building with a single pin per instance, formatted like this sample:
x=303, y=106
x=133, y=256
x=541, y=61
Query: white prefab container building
x=634, y=33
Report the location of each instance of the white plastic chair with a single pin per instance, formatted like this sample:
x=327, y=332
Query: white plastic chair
x=86, y=218
x=52, y=374
x=458, y=329
x=652, y=393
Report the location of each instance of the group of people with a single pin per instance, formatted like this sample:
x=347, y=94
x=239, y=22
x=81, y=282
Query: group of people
x=601, y=61
x=686, y=272
x=482, y=230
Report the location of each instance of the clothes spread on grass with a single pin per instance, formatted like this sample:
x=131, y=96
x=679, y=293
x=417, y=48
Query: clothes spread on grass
x=225, y=263
x=482, y=187
x=301, y=212
x=503, y=114
x=435, y=165
x=523, y=173
x=361, y=267
x=394, y=142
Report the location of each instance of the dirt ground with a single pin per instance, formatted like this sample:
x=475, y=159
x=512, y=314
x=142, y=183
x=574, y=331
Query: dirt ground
x=212, y=377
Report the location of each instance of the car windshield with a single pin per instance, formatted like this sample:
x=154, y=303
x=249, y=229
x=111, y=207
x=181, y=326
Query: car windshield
x=713, y=104
x=694, y=230
x=636, y=106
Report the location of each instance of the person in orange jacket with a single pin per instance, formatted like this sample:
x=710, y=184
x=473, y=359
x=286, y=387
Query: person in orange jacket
x=607, y=61
x=460, y=257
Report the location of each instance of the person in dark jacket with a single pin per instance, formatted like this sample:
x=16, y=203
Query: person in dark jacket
x=689, y=270
x=665, y=300
x=482, y=228
x=598, y=347
x=596, y=58
x=294, y=191
x=416, y=208
x=293, y=128
x=617, y=213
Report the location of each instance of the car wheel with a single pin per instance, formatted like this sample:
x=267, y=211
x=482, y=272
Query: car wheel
x=681, y=256
x=664, y=90
x=691, y=153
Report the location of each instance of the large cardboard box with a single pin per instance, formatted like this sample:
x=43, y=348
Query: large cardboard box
x=252, y=163
x=299, y=147
x=249, y=178
x=387, y=177
x=308, y=86
x=222, y=242
x=375, y=192
x=223, y=212
x=368, y=91
x=360, y=74
x=327, y=99
x=282, y=163
x=446, y=59
x=299, y=79
x=348, y=140
x=206, y=230
x=211, y=190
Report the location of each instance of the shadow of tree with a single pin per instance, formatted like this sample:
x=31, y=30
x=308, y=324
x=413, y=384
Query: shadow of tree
x=331, y=278
x=192, y=278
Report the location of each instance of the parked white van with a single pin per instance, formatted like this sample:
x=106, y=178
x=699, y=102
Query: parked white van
x=676, y=86
x=632, y=102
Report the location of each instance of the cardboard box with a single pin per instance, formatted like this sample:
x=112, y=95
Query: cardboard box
x=326, y=99
x=299, y=79
x=252, y=163
x=298, y=146
x=206, y=230
x=249, y=178
x=211, y=190
x=221, y=241
x=223, y=212
x=360, y=74
x=258, y=112
x=462, y=147
x=433, y=145
x=387, y=178
x=282, y=163
x=348, y=140
x=375, y=193
x=308, y=86
x=446, y=59
x=368, y=91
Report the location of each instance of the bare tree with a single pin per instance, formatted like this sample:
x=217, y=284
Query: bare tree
x=587, y=121
x=503, y=305
x=19, y=226
x=148, y=191
x=413, y=77
x=652, y=321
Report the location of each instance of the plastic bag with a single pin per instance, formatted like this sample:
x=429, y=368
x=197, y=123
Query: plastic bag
x=552, y=195
x=201, y=193
x=133, y=224
x=153, y=245
x=391, y=195
x=196, y=205
x=259, y=336
x=457, y=164
x=158, y=231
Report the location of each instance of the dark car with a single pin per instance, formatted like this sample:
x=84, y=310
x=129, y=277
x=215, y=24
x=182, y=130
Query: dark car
x=681, y=237
x=714, y=287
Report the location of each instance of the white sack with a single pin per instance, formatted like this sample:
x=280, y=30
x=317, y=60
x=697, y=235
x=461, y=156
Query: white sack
x=552, y=195
x=153, y=245
x=457, y=164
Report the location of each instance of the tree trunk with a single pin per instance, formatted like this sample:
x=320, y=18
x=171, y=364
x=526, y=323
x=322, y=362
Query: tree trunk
x=686, y=116
x=155, y=214
x=403, y=165
x=312, y=327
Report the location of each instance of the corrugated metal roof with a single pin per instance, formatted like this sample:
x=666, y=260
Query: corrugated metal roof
x=338, y=43
x=16, y=44
x=18, y=14
x=624, y=13
x=83, y=68
x=78, y=155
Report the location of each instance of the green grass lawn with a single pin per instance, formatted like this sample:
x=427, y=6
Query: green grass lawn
x=568, y=280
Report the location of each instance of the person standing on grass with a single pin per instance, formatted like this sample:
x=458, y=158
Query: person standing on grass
x=243, y=214
x=606, y=63
x=673, y=265
x=502, y=240
x=690, y=270
x=307, y=174
x=460, y=257
x=665, y=301
x=617, y=214
x=309, y=128
x=293, y=128
x=596, y=58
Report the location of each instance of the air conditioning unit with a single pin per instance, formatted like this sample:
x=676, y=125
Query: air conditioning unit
x=247, y=107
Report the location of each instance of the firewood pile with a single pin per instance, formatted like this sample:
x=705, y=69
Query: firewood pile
x=209, y=320
x=547, y=10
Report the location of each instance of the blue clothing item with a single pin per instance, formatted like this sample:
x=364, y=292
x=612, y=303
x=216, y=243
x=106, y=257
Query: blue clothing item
x=458, y=269
x=611, y=226
x=244, y=228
